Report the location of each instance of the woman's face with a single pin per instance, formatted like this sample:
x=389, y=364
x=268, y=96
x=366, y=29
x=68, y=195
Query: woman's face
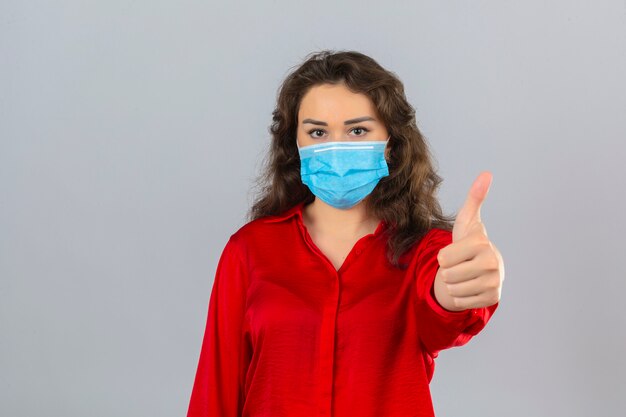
x=329, y=113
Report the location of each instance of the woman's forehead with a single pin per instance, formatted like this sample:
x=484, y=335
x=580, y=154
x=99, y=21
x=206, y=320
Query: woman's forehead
x=335, y=103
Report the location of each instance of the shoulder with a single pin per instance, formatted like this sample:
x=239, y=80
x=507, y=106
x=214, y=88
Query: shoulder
x=430, y=244
x=272, y=223
x=437, y=236
x=261, y=231
x=426, y=246
x=254, y=228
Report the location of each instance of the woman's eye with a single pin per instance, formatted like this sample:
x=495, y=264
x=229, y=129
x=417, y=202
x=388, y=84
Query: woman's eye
x=364, y=129
x=315, y=130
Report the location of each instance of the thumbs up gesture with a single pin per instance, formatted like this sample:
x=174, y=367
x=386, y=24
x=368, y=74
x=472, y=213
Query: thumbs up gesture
x=471, y=269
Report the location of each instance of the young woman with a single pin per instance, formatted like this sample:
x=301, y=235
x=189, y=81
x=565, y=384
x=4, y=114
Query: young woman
x=337, y=295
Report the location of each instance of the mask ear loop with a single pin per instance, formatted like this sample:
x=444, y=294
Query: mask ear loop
x=385, y=153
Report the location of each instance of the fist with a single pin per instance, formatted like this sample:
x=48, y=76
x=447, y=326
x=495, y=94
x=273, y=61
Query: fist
x=471, y=269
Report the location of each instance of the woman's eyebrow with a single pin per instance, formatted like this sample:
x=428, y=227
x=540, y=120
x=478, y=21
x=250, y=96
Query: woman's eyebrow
x=347, y=122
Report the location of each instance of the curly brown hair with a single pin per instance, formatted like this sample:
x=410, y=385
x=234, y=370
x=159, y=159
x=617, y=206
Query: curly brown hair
x=405, y=199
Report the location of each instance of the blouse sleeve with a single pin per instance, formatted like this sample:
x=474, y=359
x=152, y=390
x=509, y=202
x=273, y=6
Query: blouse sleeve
x=218, y=385
x=440, y=328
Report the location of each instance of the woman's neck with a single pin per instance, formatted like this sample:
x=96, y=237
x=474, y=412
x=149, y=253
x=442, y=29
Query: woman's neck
x=325, y=219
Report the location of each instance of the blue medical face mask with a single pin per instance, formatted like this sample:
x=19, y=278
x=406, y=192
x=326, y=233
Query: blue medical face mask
x=343, y=173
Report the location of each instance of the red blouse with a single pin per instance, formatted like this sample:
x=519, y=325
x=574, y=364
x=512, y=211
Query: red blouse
x=289, y=335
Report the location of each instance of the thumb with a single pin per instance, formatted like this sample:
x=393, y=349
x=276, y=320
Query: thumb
x=470, y=212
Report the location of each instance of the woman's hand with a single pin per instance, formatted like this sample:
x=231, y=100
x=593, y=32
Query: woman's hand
x=471, y=269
